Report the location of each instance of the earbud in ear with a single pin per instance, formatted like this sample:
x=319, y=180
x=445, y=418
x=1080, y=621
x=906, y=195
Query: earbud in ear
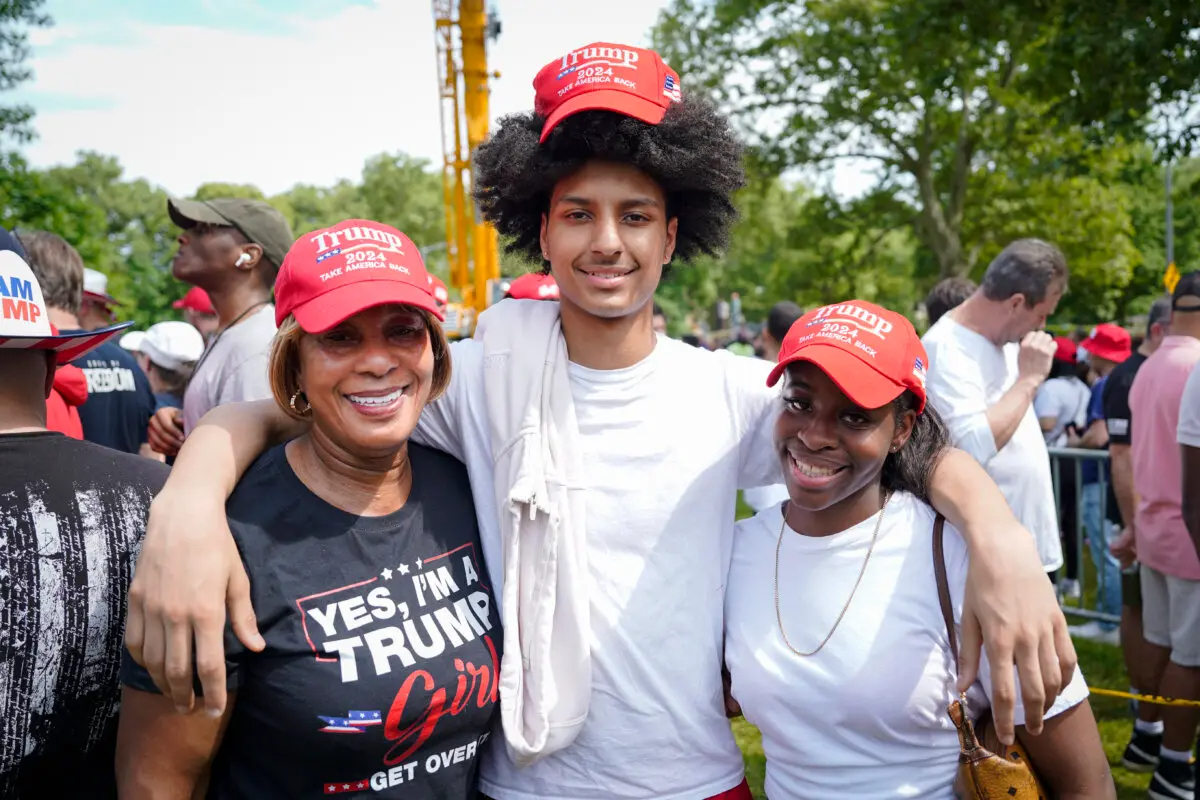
x=244, y=258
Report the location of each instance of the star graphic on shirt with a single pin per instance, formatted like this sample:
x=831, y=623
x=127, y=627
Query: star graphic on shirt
x=404, y=569
x=419, y=563
x=387, y=574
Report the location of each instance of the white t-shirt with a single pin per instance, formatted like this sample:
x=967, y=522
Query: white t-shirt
x=1189, y=411
x=666, y=445
x=967, y=375
x=866, y=716
x=233, y=369
x=1066, y=401
x=761, y=497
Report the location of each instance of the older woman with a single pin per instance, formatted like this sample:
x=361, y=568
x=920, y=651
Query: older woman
x=382, y=639
x=835, y=637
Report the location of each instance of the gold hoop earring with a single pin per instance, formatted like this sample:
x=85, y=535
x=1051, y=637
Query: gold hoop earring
x=307, y=405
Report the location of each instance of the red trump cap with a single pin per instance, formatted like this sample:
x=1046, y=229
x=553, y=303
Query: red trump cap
x=605, y=77
x=440, y=292
x=334, y=273
x=533, y=286
x=871, y=353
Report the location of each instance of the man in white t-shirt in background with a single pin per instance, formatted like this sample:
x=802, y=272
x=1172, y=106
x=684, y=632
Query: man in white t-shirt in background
x=779, y=321
x=987, y=359
x=231, y=248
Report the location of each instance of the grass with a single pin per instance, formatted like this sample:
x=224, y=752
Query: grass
x=1102, y=665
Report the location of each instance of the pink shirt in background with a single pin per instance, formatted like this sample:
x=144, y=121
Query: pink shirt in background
x=1163, y=543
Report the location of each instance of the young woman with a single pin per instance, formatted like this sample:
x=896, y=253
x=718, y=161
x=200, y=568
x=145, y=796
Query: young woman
x=835, y=639
x=382, y=640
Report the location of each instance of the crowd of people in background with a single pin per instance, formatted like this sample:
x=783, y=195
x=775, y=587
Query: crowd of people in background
x=1091, y=391
x=513, y=557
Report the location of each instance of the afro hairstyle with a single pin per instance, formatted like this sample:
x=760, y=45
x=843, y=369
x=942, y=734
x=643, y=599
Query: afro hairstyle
x=693, y=154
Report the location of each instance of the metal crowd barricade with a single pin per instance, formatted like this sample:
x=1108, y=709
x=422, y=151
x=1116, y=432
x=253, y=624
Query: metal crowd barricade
x=1074, y=458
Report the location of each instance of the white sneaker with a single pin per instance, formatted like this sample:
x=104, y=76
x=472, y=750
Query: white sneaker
x=1093, y=632
x=1070, y=589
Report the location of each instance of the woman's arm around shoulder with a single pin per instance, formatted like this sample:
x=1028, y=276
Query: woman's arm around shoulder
x=189, y=568
x=161, y=754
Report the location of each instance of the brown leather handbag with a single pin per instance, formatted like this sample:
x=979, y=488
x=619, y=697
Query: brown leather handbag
x=987, y=769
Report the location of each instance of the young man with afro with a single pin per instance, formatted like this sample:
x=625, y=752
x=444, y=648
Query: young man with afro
x=616, y=175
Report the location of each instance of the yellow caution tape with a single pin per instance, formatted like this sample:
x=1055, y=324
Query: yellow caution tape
x=1152, y=699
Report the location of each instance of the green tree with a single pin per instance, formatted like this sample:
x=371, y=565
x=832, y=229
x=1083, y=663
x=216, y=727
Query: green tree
x=16, y=17
x=403, y=192
x=311, y=207
x=240, y=191
x=955, y=102
x=792, y=244
x=119, y=227
x=395, y=189
x=1146, y=190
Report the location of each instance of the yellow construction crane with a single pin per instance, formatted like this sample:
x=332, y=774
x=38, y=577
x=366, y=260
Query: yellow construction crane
x=463, y=28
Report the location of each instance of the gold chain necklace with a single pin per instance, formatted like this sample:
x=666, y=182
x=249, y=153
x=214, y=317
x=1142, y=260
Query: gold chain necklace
x=846, y=607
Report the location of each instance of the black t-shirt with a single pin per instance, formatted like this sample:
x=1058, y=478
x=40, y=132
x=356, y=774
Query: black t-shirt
x=72, y=515
x=1116, y=399
x=383, y=642
x=120, y=403
x=1117, y=417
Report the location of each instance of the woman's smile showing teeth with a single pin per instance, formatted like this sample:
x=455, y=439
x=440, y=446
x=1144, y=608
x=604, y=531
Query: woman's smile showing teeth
x=811, y=474
x=379, y=402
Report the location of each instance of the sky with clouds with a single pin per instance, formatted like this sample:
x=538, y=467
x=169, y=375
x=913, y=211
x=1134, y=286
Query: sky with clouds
x=276, y=92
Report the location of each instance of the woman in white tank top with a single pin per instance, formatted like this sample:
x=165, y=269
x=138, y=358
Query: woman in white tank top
x=835, y=639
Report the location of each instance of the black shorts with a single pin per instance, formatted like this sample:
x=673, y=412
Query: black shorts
x=1131, y=588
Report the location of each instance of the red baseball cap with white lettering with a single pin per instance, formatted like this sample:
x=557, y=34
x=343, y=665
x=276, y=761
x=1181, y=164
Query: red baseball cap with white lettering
x=533, y=286
x=334, y=273
x=872, y=354
x=605, y=77
x=440, y=292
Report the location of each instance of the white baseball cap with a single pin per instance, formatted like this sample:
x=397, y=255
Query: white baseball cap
x=132, y=341
x=24, y=321
x=170, y=345
x=95, y=286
